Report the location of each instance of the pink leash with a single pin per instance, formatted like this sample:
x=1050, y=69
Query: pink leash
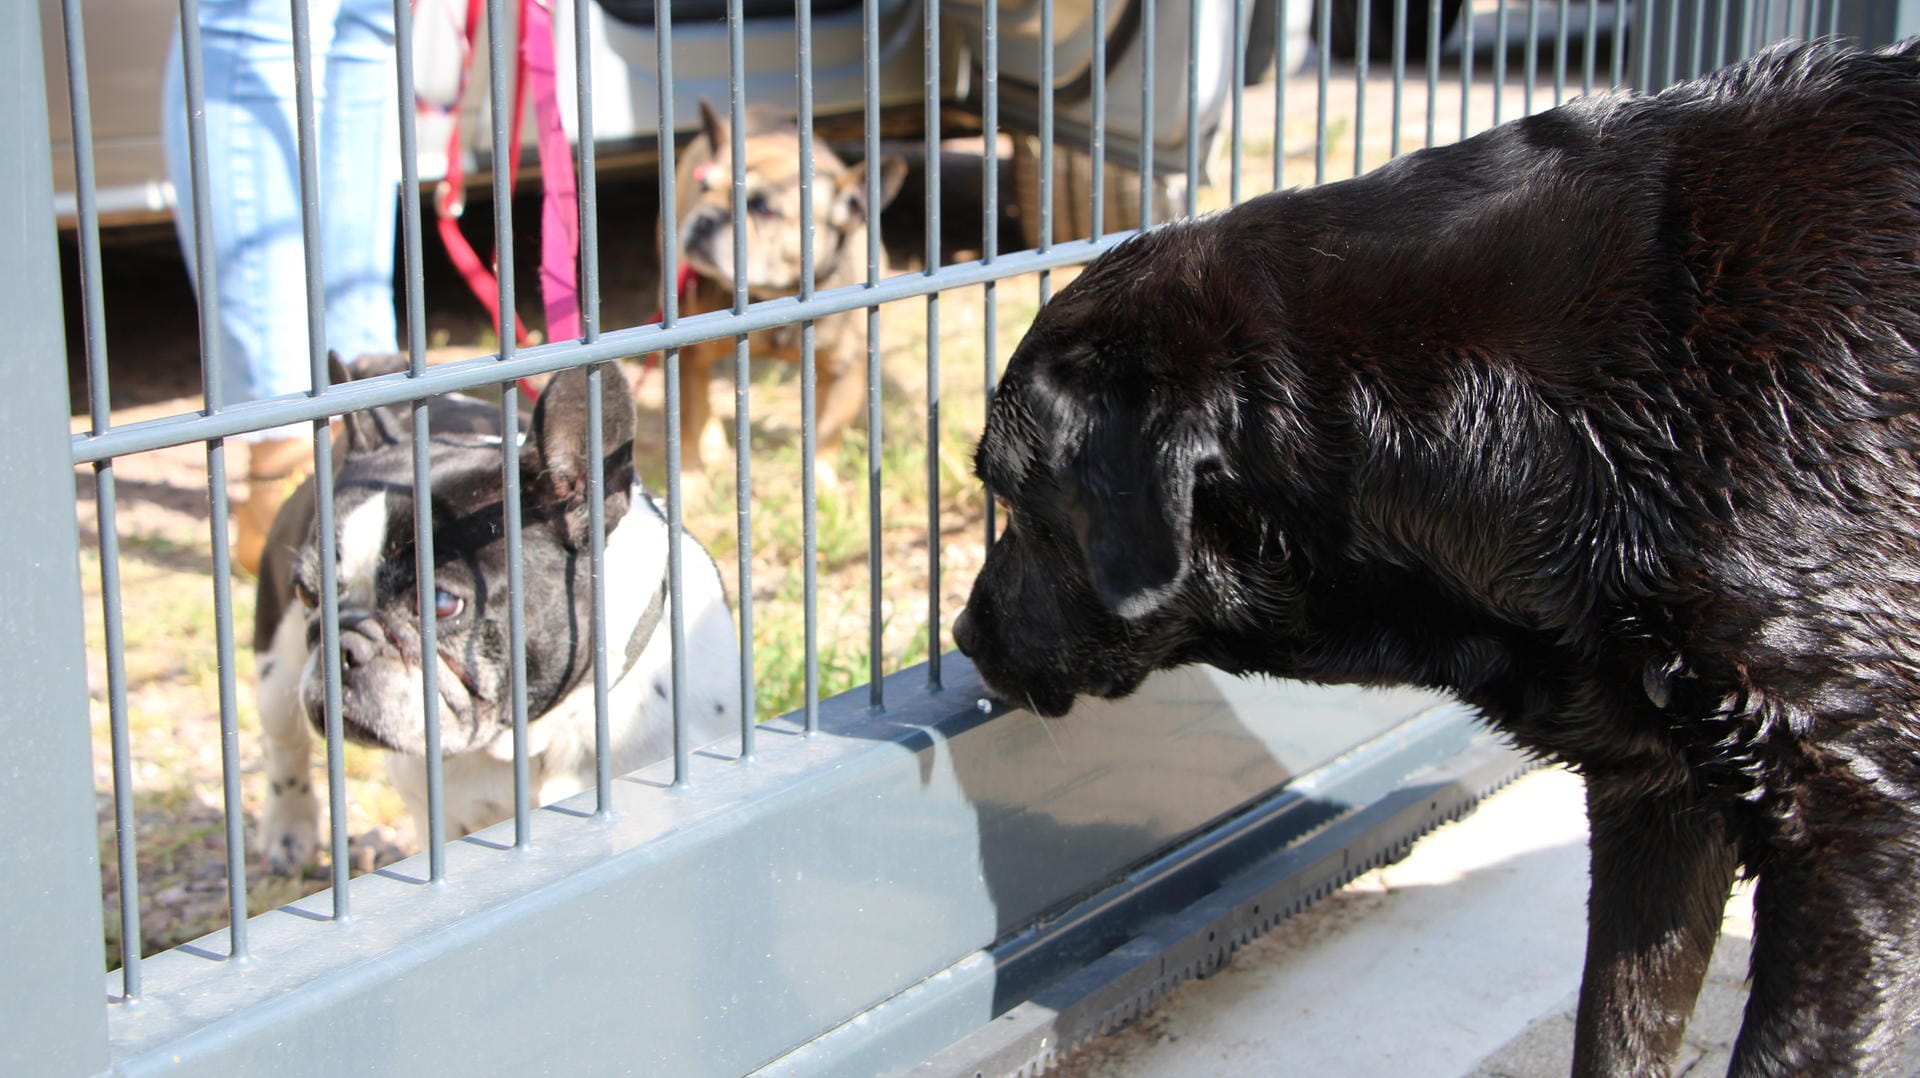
x=559, y=213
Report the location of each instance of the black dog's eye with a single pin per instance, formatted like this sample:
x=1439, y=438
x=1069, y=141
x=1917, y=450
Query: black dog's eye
x=305, y=593
x=758, y=205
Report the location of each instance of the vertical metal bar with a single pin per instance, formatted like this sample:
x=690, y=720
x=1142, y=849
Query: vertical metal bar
x=416, y=302
x=1499, y=60
x=1673, y=43
x=1433, y=67
x=1148, y=137
x=742, y=363
x=1399, y=73
x=1833, y=18
x=498, y=62
x=1046, y=146
x=229, y=708
x=589, y=180
x=932, y=102
x=990, y=190
x=1764, y=27
x=1591, y=44
x=589, y=208
x=1193, y=93
x=670, y=315
x=1533, y=56
x=126, y=847
x=1320, y=120
x=597, y=580
x=1645, y=13
x=1813, y=19
x=94, y=326
x=212, y=369
x=1466, y=68
x=1097, y=142
x=1696, y=47
x=1362, y=51
x=56, y=1016
x=870, y=71
x=307, y=144
x=1239, y=78
x=1720, y=35
x=1560, y=52
x=809, y=434
x=1281, y=77
x=1619, y=75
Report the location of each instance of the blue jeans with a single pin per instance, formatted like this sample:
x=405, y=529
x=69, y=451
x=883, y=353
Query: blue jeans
x=254, y=171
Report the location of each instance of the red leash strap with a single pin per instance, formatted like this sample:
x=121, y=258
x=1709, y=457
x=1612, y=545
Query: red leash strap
x=681, y=280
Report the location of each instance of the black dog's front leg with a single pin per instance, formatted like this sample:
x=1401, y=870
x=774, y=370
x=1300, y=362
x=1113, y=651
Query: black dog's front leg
x=1661, y=868
x=1836, y=952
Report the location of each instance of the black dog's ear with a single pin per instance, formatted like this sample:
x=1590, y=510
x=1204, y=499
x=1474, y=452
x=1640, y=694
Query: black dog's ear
x=1130, y=497
x=850, y=202
x=556, y=456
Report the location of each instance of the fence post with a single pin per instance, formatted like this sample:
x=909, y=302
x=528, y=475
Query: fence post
x=53, y=988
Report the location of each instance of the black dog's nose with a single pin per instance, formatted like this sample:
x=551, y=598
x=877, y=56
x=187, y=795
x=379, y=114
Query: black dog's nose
x=963, y=633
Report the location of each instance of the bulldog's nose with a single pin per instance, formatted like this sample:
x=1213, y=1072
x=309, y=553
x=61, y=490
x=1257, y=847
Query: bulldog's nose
x=361, y=636
x=963, y=633
x=700, y=230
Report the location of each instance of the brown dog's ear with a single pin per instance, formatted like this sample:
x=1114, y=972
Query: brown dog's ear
x=850, y=201
x=556, y=456
x=1130, y=497
x=713, y=128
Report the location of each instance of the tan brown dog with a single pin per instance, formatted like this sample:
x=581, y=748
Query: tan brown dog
x=773, y=268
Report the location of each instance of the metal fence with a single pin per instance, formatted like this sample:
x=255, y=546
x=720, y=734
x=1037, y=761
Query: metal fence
x=859, y=885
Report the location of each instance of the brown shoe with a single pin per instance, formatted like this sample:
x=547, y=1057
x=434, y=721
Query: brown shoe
x=275, y=466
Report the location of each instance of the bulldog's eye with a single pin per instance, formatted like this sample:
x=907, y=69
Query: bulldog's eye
x=305, y=593
x=758, y=205
x=445, y=604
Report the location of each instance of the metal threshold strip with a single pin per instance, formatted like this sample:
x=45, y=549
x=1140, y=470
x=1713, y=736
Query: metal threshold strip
x=1183, y=914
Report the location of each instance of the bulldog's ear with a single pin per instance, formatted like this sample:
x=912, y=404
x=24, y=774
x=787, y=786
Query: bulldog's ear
x=850, y=201
x=1130, y=497
x=713, y=128
x=372, y=428
x=556, y=457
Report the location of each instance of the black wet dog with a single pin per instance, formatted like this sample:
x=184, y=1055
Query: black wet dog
x=1604, y=420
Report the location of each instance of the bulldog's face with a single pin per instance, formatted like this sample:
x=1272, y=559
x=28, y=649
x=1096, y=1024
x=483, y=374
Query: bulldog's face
x=773, y=221
x=381, y=652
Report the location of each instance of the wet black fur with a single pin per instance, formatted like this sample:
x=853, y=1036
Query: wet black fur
x=1603, y=420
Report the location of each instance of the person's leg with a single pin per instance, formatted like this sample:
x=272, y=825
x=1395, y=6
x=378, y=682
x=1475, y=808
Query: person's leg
x=359, y=172
x=259, y=277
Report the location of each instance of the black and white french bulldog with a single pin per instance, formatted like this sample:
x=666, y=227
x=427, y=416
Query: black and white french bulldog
x=380, y=656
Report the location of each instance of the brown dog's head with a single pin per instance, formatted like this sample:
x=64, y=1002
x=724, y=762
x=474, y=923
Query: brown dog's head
x=773, y=220
x=1099, y=439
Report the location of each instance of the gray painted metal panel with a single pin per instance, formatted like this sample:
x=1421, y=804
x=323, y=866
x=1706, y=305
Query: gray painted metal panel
x=707, y=929
x=1099, y=961
x=55, y=1020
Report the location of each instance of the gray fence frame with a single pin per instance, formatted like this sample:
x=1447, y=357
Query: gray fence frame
x=899, y=880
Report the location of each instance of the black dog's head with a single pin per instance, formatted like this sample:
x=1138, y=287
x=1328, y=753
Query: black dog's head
x=1106, y=429
x=373, y=510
